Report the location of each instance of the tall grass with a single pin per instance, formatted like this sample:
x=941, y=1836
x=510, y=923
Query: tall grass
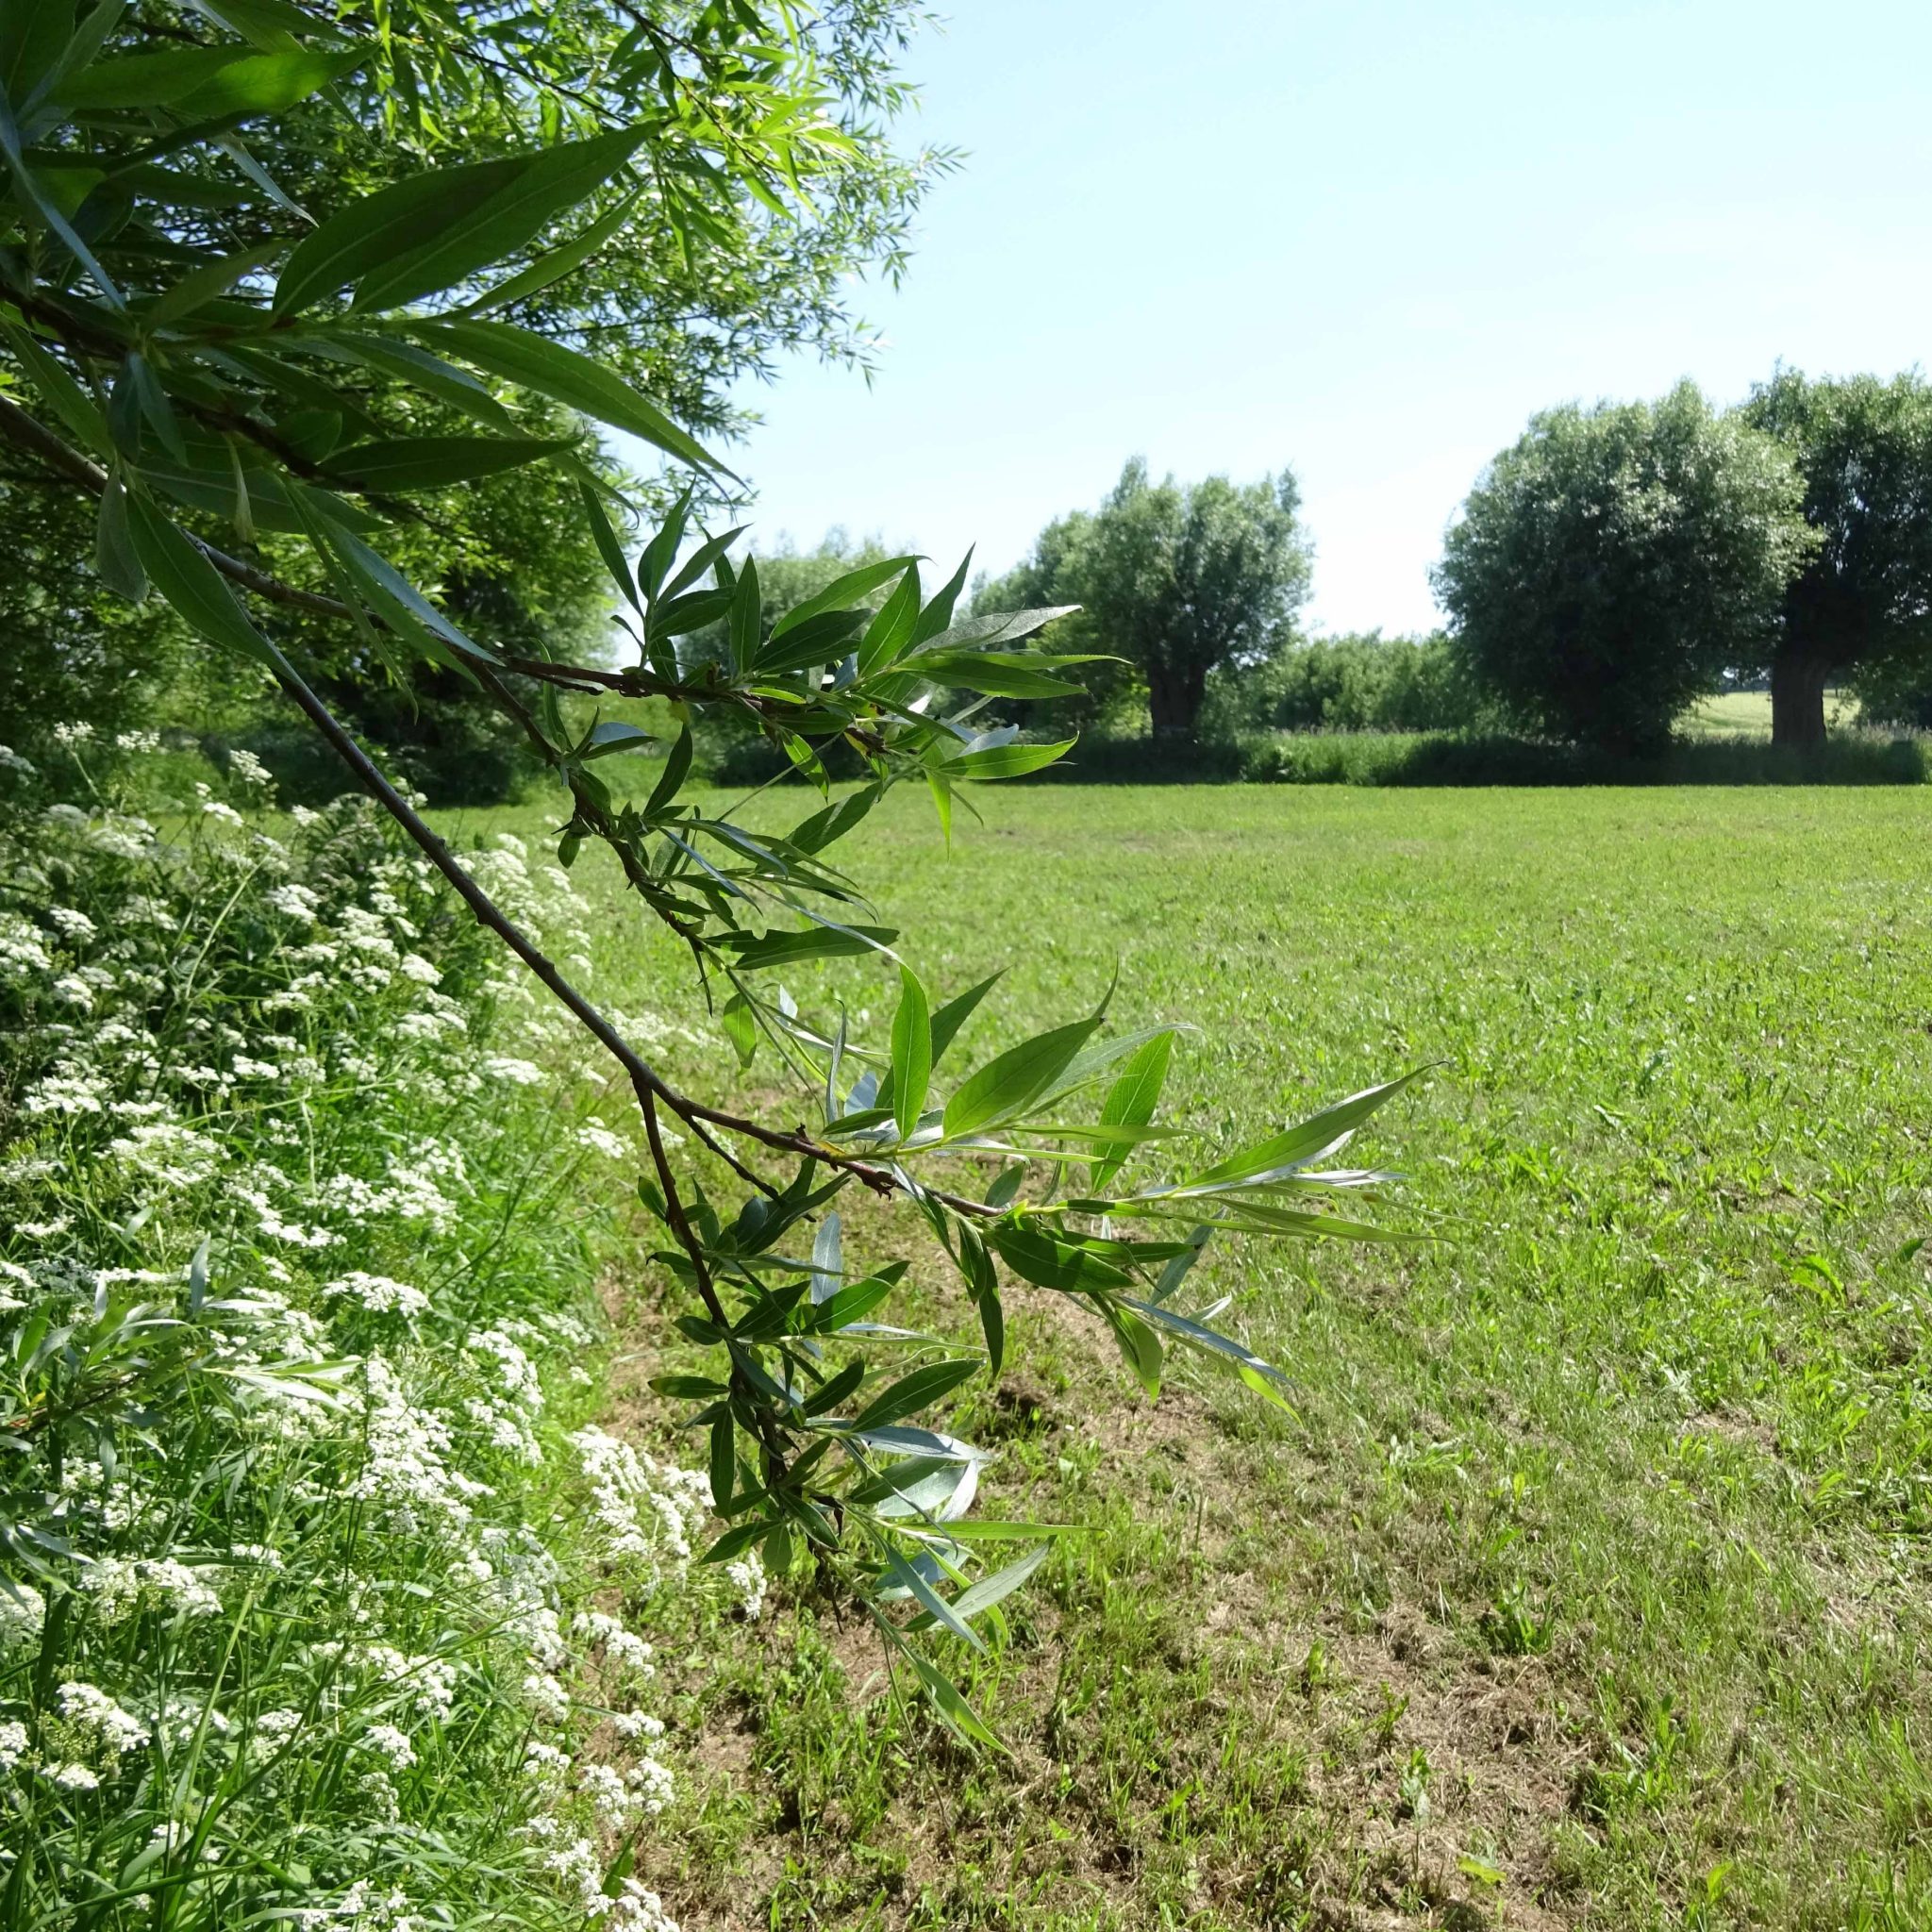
x=324, y=1597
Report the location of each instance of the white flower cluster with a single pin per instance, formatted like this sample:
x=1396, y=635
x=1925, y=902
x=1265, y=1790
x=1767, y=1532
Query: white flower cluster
x=645, y=1509
x=285, y=1111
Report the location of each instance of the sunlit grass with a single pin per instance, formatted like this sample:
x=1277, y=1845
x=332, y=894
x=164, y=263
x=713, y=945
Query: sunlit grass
x=1595, y=1558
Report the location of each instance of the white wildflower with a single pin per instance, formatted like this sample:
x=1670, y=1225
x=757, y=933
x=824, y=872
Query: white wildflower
x=747, y=1577
x=293, y=901
x=13, y=1744
x=391, y=1743
x=72, y=991
x=518, y=1073
x=75, y=1777
x=22, y=1610
x=74, y=923
x=77, y=732
x=419, y=969
x=138, y=742
x=378, y=1293
x=216, y=809
x=120, y=1585
x=249, y=768
x=91, y=1709
x=594, y=1135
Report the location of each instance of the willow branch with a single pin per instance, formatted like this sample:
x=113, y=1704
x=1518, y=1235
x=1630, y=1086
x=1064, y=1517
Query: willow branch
x=27, y=433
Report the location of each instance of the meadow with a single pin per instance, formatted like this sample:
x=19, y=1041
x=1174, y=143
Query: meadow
x=1587, y=1584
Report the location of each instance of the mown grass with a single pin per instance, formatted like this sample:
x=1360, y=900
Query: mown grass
x=1590, y=1585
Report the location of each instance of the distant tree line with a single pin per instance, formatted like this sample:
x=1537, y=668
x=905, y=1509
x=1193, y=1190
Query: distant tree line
x=1613, y=567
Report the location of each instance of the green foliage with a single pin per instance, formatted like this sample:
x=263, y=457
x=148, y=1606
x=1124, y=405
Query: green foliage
x=325, y=388
x=1608, y=569
x=508, y=550
x=1859, y=610
x=1355, y=682
x=1178, y=580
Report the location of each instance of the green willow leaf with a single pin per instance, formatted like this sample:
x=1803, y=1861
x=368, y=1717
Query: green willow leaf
x=758, y=951
x=1131, y=1103
x=432, y=462
x=1005, y=760
x=911, y=1053
x=852, y=588
x=1320, y=1134
x=1008, y=1083
x=566, y=258
x=192, y=585
x=1000, y=673
x=437, y=229
x=551, y=370
x=913, y=1392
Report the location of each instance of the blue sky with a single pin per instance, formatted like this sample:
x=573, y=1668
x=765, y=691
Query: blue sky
x=1363, y=239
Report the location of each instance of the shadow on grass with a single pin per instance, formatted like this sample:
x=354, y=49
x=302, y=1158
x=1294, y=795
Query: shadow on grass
x=1450, y=759
x=1439, y=758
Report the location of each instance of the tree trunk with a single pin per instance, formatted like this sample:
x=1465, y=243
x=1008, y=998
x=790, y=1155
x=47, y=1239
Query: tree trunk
x=1174, y=699
x=1797, y=699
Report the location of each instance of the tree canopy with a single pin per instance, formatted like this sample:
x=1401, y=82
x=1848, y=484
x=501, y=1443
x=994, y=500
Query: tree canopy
x=1859, y=610
x=686, y=271
x=1176, y=579
x=1616, y=562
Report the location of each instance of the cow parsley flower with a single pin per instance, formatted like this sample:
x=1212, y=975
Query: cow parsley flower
x=378, y=1293
x=391, y=1743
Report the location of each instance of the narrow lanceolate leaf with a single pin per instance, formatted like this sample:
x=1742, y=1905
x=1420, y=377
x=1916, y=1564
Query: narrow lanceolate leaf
x=911, y=1053
x=437, y=229
x=1010, y=1082
x=853, y=587
x=723, y=1463
x=952, y=1709
x=549, y=369
x=1005, y=760
x=1319, y=1135
x=890, y=632
x=1038, y=1257
x=204, y=282
x=1208, y=1340
x=741, y=1029
x=192, y=584
x=1001, y=673
x=948, y=1019
x=432, y=462
x=564, y=260
x=608, y=548
x=745, y=618
x=913, y=1392
x=114, y=557
x=900, y=1575
x=1139, y=1344
x=755, y=951
x=938, y=613
x=989, y=1591
x=990, y=633
x=206, y=83
x=828, y=1259
x=1131, y=1103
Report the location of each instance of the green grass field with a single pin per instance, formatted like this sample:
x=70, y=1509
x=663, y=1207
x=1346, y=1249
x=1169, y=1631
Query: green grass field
x=1746, y=714
x=1590, y=1585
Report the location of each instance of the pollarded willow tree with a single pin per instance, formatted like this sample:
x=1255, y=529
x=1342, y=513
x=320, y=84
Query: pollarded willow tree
x=203, y=397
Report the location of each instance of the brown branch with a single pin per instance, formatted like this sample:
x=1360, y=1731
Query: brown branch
x=24, y=430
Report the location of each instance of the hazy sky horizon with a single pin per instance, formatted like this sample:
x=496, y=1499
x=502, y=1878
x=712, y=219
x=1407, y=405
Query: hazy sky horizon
x=1363, y=241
